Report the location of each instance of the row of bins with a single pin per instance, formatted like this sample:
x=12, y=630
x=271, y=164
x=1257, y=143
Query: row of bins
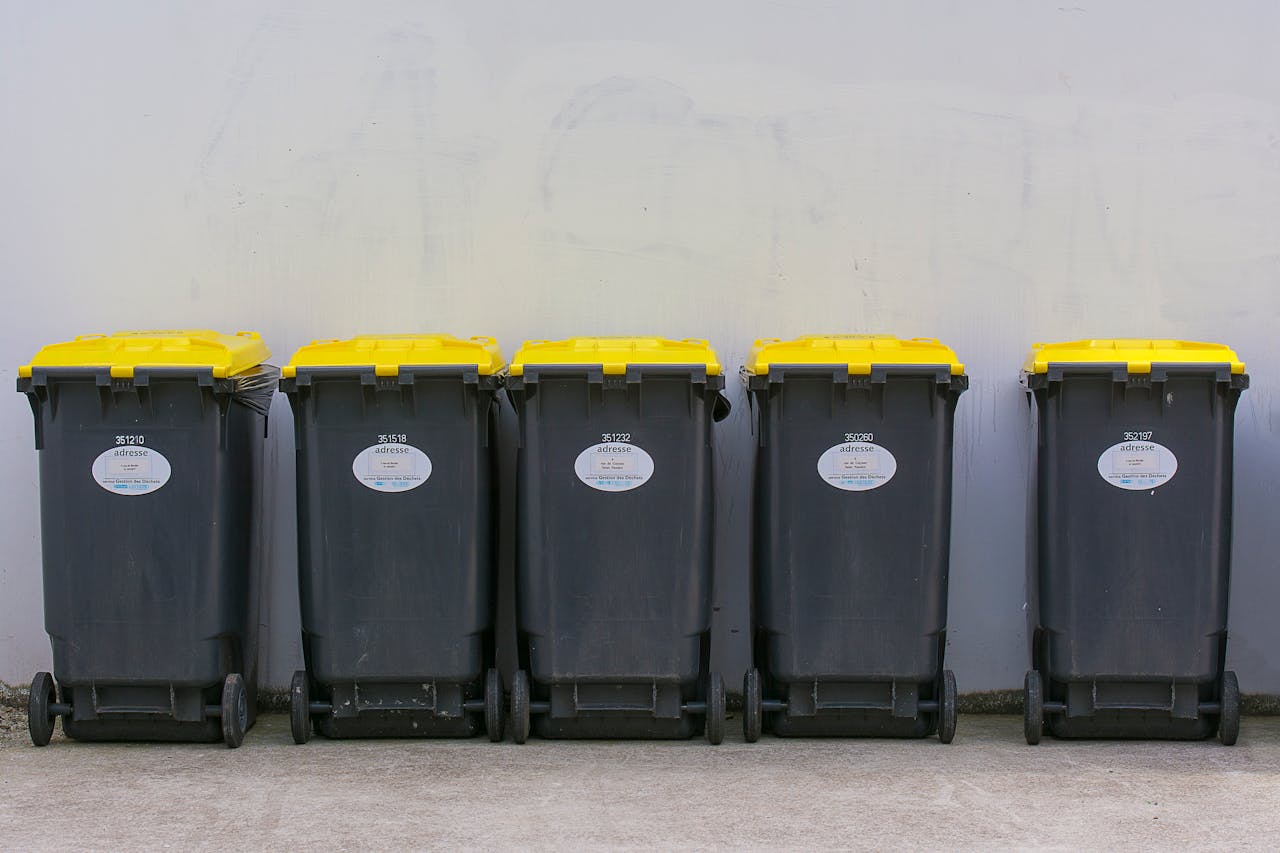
x=151, y=448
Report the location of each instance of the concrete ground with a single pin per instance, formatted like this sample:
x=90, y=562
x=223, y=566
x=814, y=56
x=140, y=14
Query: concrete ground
x=987, y=790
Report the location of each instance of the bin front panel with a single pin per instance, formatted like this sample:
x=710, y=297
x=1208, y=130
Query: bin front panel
x=852, y=585
x=150, y=588
x=396, y=586
x=615, y=586
x=1133, y=583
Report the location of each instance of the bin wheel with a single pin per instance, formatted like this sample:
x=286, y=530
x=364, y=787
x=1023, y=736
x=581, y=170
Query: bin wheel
x=1033, y=707
x=520, y=706
x=40, y=719
x=494, y=712
x=300, y=708
x=715, y=709
x=1229, y=720
x=752, y=712
x=947, y=708
x=235, y=711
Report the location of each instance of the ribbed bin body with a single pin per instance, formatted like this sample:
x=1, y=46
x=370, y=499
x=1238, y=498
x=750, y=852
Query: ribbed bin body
x=150, y=587
x=1132, y=575
x=396, y=553
x=850, y=603
x=614, y=583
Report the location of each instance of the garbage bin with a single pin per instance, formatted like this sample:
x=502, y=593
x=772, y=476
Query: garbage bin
x=614, y=538
x=396, y=556
x=150, y=446
x=1127, y=596
x=852, y=532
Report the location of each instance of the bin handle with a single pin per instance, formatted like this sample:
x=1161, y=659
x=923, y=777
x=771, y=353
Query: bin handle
x=721, y=408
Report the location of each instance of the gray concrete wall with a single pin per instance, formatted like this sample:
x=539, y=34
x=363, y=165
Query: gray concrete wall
x=987, y=173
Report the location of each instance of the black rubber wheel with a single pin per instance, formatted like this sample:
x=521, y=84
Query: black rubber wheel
x=715, y=709
x=752, y=713
x=1033, y=708
x=300, y=708
x=947, y=707
x=40, y=720
x=520, y=706
x=235, y=711
x=1229, y=719
x=494, y=711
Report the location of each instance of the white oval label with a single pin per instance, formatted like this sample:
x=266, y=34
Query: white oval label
x=391, y=467
x=614, y=466
x=1137, y=465
x=857, y=466
x=131, y=470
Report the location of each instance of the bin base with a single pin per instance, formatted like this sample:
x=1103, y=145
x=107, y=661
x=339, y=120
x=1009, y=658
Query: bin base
x=133, y=713
x=1165, y=709
x=851, y=724
x=1132, y=725
x=617, y=727
x=643, y=709
x=830, y=708
x=144, y=729
x=423, y=708
x=393, y=724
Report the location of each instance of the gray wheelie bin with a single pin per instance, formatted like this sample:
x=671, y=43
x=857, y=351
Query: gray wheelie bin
x=396, y=556
x=1127, y=591
x=150, y=447
x=852, y=536
x=614, y=538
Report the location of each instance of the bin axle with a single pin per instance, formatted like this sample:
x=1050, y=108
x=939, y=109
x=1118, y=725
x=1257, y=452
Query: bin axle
x=1061, y=707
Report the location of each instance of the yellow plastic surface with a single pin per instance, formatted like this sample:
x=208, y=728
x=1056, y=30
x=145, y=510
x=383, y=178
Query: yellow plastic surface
x=859, y=352
x=124, y=351
x=1138, y=353
x=386, y=354
x=614, y=354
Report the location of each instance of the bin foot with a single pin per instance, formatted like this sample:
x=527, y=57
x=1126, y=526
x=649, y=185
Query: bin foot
x=1229, y=716
x=520, y=706
x=715, y=709
x=235, y=711
x=494, y=712
x=1033, y=707
x=947, y=707
x=300, y=708
x=40, y=708
x=752, y=710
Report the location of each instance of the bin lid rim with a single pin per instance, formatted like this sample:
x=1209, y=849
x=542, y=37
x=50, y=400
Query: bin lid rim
x=615, y=353
x=860, y=353
x=386, y=354
x=123, y=352
x=1137, y=353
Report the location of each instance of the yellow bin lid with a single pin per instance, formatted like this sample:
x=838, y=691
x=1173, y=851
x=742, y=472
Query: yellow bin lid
x=859, y=352
x=1138, y=353
x=227, y=355
x=614, y=354
x=386, y=354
